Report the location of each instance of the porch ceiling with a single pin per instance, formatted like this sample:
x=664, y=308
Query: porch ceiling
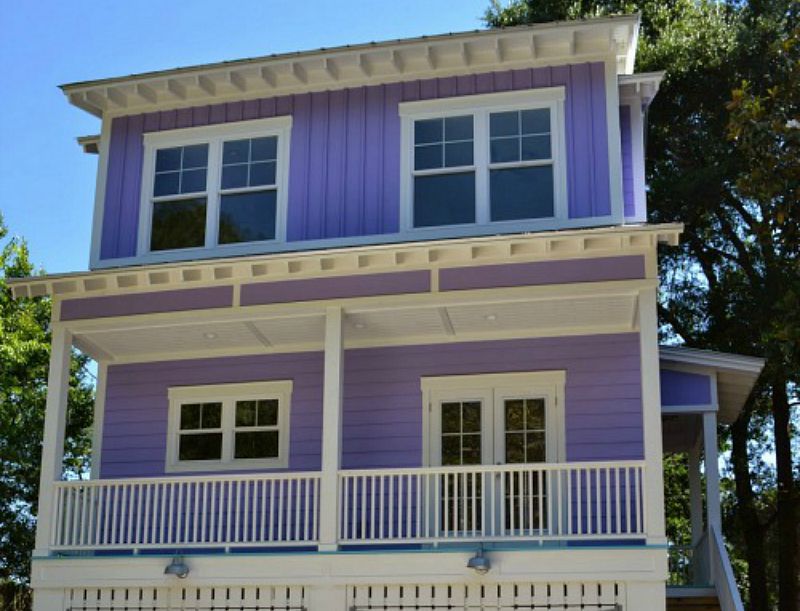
x=368, y=323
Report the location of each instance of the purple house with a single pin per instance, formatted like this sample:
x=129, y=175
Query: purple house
x=376, y=329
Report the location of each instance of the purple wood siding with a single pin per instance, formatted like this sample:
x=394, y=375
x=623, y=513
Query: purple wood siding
x=147, y=303
x=382, y=398
x=628, y=193
x=684, y=388
x=344, y=177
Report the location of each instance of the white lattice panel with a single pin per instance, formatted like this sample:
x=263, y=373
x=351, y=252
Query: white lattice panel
x=187, y=599
x=495, y=597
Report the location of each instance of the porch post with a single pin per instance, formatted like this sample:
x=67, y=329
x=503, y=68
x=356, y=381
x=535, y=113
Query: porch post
x=712, y=471
x=331, y=429
x=53, y=440
x=651, y=412
x=695, y=494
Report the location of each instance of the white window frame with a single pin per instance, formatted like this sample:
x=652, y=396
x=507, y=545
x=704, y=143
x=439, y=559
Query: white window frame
x=214, y=136
x=228, y=395
x=480, y=107
x=548, y=385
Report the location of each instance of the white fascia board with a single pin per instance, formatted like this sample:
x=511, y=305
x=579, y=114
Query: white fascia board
x=712, y=360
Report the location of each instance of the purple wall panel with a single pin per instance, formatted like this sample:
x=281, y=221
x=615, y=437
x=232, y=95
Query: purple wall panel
x=147, y=303
x=685, y=388
x=629, y=196
x=382, y=398
x=344, y=177
x=549, y=272
x=285, y=291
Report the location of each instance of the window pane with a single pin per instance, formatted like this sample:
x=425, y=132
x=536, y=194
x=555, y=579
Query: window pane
x=179, y=224
x=193, y=181
x=514, y=415
x=428, y=156
x=459, y=153
x=515, y=447
x=536, y=121
x=256, y=444
x=471, y=417
x=247, y=217
x=535, y=447
x=264, y=149
x=245, y=413
x=168, y=159
x=268, y=412
x=444, y=199
x=428, y=130
x=451, y=417
x=534, y=414
x=451, y=450
x=195, y=156
x=236, y=151
x=536, y=147
x=234, y=176
x=504, y=150
x=504, y=124
x=206, y=446
x=166, y=184
x=212, y=416
x=262, y=174
x=190, y=416
x=522, y=193
x=471, y=450
x=458, y=128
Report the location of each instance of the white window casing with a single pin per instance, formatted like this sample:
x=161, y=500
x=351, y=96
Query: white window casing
x=228, y=395
x=481, y=106
x=214, y=136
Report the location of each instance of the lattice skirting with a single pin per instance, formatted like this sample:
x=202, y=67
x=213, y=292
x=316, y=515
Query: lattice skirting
x=187, y=599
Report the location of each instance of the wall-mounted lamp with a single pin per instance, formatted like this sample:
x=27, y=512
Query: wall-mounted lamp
x=177, y=567
x=479, y=563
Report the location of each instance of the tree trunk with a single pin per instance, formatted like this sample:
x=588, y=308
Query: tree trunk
x=787, y=501
x=749, y=524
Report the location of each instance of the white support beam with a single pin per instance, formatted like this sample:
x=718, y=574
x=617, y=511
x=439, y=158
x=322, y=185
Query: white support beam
x=55, y=420
x=331, y=428
x=711, y=462
x=651, y=408
x=695, y=494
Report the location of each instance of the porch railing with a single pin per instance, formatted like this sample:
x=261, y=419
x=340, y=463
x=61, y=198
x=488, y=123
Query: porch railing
x=185, y=512
x=493, y=503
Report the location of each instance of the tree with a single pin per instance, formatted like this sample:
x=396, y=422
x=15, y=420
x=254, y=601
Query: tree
x=722, y=157
x=24, y=360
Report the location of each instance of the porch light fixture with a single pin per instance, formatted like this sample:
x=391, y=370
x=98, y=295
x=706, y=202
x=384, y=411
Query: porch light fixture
x=177, y=567
x=479, y=563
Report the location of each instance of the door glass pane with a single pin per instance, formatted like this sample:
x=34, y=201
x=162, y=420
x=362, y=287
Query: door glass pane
x=461, y=432
x=525, y=430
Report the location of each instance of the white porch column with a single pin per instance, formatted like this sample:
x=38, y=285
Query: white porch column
x=695, y=494
x=331, y=429
x=651, y=407
x=53, y=440
x=712, y=471
x=99, y=418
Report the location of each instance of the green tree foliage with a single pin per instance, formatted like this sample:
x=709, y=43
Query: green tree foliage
x=24, y=360
x=723, y=159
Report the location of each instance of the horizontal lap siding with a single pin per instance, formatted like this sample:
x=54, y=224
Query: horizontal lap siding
x=344, y=169
x=382, y=423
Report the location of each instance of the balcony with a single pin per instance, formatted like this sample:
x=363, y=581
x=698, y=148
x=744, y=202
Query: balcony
x=532, y=503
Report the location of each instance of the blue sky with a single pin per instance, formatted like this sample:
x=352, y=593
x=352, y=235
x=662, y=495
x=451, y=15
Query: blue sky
x=46, y=182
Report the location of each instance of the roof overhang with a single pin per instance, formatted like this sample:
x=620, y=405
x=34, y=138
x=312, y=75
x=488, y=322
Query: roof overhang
x=354, y=259
x=356, y=65
x=735, y=374
x=90, y=144
x=642, y=86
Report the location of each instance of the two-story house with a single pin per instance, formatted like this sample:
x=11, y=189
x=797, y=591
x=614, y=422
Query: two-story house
x=376, y=329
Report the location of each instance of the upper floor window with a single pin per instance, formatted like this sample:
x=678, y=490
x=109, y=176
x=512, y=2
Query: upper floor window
x=229, y=426
x=219, y=185
x=484, y=159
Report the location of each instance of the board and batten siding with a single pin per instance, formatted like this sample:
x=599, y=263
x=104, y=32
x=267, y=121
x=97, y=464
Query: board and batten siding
x=626, y=142
x=344, y=168
x=382, y=413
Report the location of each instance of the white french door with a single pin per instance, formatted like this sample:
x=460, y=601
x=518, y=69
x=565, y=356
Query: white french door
x=497, y=420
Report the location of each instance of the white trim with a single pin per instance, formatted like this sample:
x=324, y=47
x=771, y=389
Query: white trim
x=100, y=194
x=614, y=142
x=99, y=419
x=480, y=107
x=712, y=359
x=638, y=160
x=214, y=136
x=228, y=395
x=491, y=389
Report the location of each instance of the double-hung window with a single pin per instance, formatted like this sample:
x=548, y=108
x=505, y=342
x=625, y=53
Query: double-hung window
x=229, y=426
x=484, y=159
x=214, y=186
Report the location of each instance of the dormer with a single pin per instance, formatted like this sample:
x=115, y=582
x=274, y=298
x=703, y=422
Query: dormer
x=524, y=129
